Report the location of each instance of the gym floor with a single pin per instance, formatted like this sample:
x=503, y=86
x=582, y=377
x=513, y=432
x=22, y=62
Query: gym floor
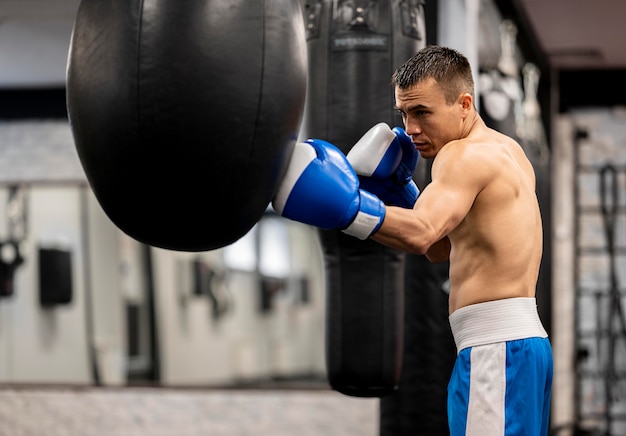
x=138, y=411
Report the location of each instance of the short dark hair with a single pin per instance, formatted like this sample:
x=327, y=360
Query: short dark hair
x=448, y=67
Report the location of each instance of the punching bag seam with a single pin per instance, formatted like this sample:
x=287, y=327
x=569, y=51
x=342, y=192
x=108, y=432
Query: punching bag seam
x=261, y=76
x=392, y=53
x=138, y=66
x=328, y=112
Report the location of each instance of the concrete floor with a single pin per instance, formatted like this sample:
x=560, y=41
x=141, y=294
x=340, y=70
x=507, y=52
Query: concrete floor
x=132, y=411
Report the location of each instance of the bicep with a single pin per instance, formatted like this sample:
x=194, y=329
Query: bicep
x=458, y=176
x=444, y=206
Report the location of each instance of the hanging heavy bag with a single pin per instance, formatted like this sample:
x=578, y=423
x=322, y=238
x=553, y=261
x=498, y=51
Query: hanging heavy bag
x=353, y=48
x=184, y=113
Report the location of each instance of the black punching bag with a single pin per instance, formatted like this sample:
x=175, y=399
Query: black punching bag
x=419, y=406
x=353, y=48
x=185, y=112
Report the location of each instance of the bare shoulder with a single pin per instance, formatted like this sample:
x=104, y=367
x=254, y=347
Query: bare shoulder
x=468, y=161
x=488, y=165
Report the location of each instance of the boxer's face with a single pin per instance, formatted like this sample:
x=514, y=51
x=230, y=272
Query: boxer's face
x=428, y=118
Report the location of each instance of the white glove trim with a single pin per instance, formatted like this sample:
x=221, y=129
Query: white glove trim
x=363, y=225
x=366, y=154
x=303, y=155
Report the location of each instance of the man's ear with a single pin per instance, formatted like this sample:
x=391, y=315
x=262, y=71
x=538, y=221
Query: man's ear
x=466, y=101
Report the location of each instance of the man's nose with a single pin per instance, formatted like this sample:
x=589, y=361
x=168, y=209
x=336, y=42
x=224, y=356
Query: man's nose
x=412, y=127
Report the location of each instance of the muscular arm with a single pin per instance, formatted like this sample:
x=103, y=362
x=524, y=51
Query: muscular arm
x=443, y=204
x=423, y=230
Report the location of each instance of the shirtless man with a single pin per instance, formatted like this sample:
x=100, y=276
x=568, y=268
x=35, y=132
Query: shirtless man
x=480, y=211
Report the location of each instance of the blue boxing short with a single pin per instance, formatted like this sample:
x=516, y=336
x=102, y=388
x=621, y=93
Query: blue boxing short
x=502, y=378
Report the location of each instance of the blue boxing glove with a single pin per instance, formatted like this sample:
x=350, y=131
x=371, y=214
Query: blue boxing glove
x=385, y=161
x=320, y=188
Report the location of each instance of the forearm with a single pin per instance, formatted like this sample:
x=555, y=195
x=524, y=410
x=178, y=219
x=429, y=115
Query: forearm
x=404, y=230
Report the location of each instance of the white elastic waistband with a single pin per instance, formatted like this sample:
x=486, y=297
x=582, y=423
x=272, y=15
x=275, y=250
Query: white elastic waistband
x=496, y=321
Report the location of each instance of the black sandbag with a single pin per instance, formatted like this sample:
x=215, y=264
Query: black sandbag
x=364, y=322
x=353, y=48
x=185, y=112
x=419, y=406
